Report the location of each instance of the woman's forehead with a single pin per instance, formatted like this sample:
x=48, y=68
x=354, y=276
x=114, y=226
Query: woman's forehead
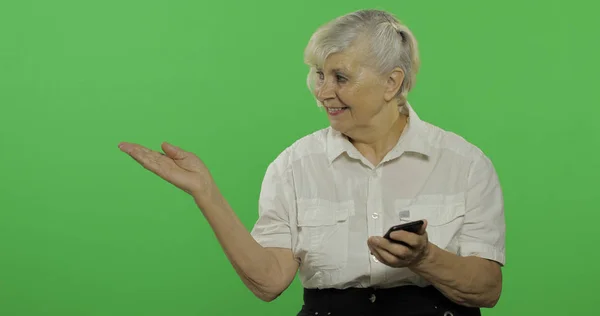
x=342, y=62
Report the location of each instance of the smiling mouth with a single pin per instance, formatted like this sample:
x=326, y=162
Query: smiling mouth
x=336, y=110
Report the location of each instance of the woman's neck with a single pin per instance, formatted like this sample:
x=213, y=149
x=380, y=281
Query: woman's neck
x=376, y=144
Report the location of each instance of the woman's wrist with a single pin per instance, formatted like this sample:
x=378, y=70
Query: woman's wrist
x=427, y=259
x=207, y=196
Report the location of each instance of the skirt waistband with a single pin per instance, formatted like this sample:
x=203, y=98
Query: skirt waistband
x=402, y=300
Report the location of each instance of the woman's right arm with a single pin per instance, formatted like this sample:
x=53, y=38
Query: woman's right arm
x=267, y=272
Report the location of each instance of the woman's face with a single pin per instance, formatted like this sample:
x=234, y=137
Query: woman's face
x=354, y=95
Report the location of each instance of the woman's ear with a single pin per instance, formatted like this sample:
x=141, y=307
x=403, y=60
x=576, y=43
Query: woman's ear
x=394, y=84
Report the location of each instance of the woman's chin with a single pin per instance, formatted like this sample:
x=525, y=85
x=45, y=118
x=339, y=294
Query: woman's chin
x=338, y=126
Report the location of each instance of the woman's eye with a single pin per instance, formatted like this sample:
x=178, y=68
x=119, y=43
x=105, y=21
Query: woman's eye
x=339, y=78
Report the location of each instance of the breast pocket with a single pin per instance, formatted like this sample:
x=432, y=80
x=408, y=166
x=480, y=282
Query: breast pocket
x=323, y=233
x=444, y=214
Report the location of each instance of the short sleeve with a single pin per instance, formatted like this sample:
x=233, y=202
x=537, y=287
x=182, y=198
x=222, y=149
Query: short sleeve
x=484, y=230
x=276, y=203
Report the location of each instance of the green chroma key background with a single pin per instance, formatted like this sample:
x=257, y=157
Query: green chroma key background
x=85, y=231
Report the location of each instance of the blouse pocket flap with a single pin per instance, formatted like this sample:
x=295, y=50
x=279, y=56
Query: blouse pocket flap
x=439, y=215
x=438, y=210
x=318, y=212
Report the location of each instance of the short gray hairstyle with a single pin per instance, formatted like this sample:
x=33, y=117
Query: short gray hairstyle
x=391, y=44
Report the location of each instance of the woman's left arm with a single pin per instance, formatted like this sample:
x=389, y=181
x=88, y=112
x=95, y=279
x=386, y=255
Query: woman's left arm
x=469, y=281
x=472, y=277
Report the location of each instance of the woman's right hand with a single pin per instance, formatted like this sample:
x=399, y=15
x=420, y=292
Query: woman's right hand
x=267, y=272
x=180, y=168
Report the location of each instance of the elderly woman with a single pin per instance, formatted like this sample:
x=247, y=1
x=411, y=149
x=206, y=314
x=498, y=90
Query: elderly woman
x=327, y=200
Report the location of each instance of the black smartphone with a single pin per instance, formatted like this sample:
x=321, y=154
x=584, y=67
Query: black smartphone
x=413, y=227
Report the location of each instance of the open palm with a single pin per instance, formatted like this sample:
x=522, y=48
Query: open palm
x=182, y=169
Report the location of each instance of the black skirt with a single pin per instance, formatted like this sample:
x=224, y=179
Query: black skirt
x=398, y=301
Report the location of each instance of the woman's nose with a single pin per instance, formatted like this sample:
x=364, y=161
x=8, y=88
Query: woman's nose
x=324, y=92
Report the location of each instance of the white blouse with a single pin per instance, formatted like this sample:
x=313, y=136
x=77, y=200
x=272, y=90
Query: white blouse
x=322, y=199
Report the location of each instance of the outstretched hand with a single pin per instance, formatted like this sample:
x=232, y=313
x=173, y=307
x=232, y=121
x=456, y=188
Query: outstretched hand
x=180, y=168
x=412, y=250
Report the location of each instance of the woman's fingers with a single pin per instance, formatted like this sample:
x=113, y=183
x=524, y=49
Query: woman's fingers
x=173, y=152
x=181, y=168
x=149, y=159
x=384, y=256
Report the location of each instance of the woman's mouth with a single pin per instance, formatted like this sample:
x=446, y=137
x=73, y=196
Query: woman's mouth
x=336, y=111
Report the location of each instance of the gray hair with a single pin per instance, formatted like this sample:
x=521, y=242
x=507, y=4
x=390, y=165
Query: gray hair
x=391, y=44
